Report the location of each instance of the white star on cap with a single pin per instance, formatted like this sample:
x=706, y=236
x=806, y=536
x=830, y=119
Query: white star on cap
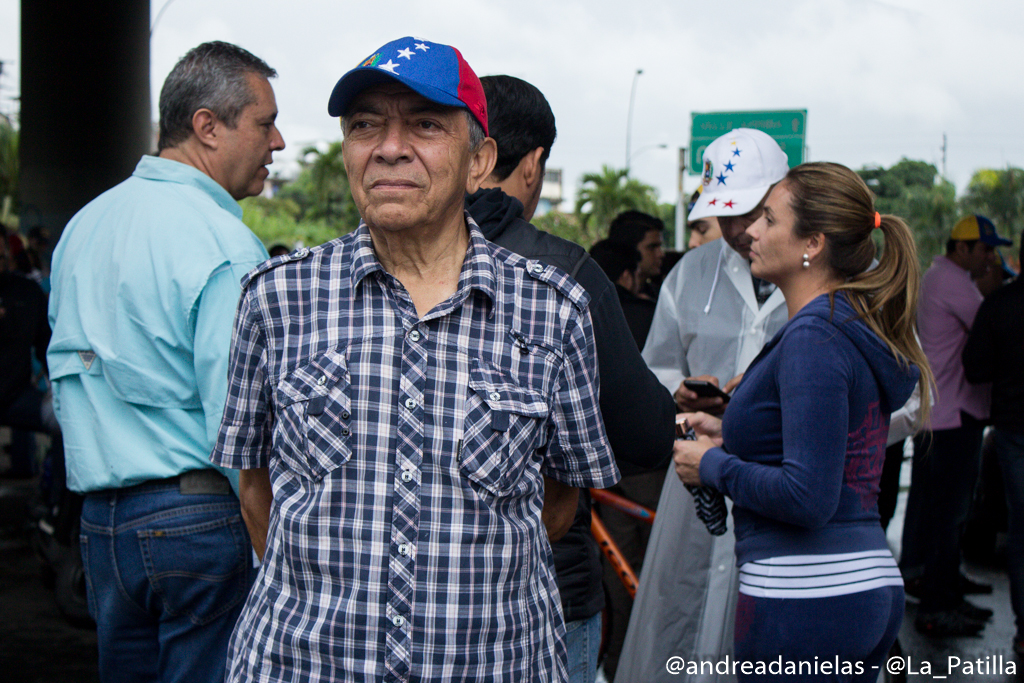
x=407, y=53
x=421, y=46
x=389, y=67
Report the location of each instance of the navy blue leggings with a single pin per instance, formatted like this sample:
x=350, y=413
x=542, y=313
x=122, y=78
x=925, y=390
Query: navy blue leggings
x=811, y=633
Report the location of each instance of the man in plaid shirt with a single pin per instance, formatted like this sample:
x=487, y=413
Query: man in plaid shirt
x=396, y=398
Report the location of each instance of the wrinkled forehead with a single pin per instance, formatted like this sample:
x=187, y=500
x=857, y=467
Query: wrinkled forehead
x=382, y=97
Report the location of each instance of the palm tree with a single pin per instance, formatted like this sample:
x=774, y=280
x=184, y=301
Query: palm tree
x=605, y=195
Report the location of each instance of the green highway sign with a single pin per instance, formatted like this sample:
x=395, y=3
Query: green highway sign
x=788, y=128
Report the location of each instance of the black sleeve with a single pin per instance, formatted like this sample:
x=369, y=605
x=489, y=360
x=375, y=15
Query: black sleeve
x=638, y=411
x=979, y=352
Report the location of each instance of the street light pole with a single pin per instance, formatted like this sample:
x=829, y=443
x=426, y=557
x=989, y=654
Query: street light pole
x=629, y=120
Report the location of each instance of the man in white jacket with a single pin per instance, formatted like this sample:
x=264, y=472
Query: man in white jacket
x=712, y=319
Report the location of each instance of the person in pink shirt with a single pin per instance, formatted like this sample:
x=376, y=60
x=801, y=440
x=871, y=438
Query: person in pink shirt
x=947, y=453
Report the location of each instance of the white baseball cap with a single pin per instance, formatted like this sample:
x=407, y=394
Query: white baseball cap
x=739, y=169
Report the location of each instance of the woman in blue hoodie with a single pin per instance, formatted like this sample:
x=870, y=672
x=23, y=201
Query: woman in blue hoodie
x=801, y=446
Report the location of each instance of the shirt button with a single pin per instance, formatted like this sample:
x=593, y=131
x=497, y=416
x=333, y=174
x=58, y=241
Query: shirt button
x=398, y=620
x=345, y=415
x=410, y=403
x=322, y=381
x=414, y=335
x=406, y=475
x=538, y=268
x=494, y=396
x=344, y=431
x=403, y=550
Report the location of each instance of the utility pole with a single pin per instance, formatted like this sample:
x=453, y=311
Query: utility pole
x=629, y=118
x=681, y=202
x=943, y=155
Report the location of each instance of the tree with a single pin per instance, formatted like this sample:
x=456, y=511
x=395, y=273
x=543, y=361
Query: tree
x=999, y=195
x=605, y=195
x=914, y=191
x=9, y=170
x=314, y=208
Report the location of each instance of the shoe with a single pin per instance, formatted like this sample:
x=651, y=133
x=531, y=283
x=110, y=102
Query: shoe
x=969, y=587
x=946, y=623
x=972, y=611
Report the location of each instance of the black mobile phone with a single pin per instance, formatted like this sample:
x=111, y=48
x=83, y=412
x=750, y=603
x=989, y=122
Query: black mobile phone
x=705, y=389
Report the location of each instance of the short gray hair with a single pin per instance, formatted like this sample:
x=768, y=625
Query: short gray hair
x=210, y=76
x=476, y=131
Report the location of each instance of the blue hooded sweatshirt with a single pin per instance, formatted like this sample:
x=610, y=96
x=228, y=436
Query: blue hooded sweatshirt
x=804, y=437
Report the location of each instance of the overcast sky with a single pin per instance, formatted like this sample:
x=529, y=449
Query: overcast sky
x=880, y=80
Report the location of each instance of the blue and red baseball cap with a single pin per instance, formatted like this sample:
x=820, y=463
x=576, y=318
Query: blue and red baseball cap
x=435, y=71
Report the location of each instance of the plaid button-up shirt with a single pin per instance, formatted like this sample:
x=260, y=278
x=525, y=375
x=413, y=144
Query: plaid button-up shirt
x=407, y=458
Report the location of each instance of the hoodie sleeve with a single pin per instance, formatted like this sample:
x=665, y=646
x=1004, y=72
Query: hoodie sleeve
x=814, y=379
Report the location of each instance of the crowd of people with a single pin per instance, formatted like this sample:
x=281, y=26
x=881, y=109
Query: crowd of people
x=371, y=459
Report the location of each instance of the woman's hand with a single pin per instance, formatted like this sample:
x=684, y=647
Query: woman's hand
x=705, y=425
x=687, y=455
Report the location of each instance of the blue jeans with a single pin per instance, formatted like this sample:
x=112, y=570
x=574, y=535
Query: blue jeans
x=1010, y=451
x=582, y=641
x=166, y=577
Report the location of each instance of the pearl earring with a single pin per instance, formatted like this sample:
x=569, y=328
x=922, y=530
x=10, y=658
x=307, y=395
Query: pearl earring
x=807, y=261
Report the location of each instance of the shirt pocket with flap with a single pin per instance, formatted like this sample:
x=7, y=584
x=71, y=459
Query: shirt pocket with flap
x=314, y=425
x=504, y=424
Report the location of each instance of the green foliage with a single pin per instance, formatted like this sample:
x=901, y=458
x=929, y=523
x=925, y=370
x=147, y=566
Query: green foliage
x=315, y=208
x=999, y=195
x=604, y=195
x=914, y=191
x=9, y=171
x=275, y=222
x=564, y=225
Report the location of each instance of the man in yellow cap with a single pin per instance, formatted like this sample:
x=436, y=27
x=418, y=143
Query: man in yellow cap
x=940, y=491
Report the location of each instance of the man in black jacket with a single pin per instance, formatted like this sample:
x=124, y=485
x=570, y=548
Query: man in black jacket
x=639, y=413
x=995, y=353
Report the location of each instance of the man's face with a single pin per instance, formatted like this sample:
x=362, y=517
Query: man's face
x=408, y=159
x=652, y=253
x=980, y=258
x=248, y=148
x=702, y=231
x=734, y=228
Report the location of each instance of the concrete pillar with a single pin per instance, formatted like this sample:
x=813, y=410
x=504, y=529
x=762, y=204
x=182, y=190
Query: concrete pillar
x=85, y=111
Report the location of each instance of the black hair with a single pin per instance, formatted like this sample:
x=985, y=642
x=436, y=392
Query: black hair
x=212, y=76
x=630, y=227
x=615, y=258
x=519, y=119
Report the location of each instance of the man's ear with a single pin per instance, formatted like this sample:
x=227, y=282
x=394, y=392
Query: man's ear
x=204, y=127
x=481, y=165
x=532, y=169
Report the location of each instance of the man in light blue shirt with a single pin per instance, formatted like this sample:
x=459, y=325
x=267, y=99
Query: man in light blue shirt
x=145, y=285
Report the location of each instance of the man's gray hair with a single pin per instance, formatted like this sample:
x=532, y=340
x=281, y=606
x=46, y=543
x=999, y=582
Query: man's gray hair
x=476, y=131
x=212, y=76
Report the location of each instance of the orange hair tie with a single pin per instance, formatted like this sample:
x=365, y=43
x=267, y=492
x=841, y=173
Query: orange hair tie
x=878, y=220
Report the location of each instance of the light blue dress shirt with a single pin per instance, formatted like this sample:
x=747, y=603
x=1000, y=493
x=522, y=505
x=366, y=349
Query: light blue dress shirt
x=145, y=285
